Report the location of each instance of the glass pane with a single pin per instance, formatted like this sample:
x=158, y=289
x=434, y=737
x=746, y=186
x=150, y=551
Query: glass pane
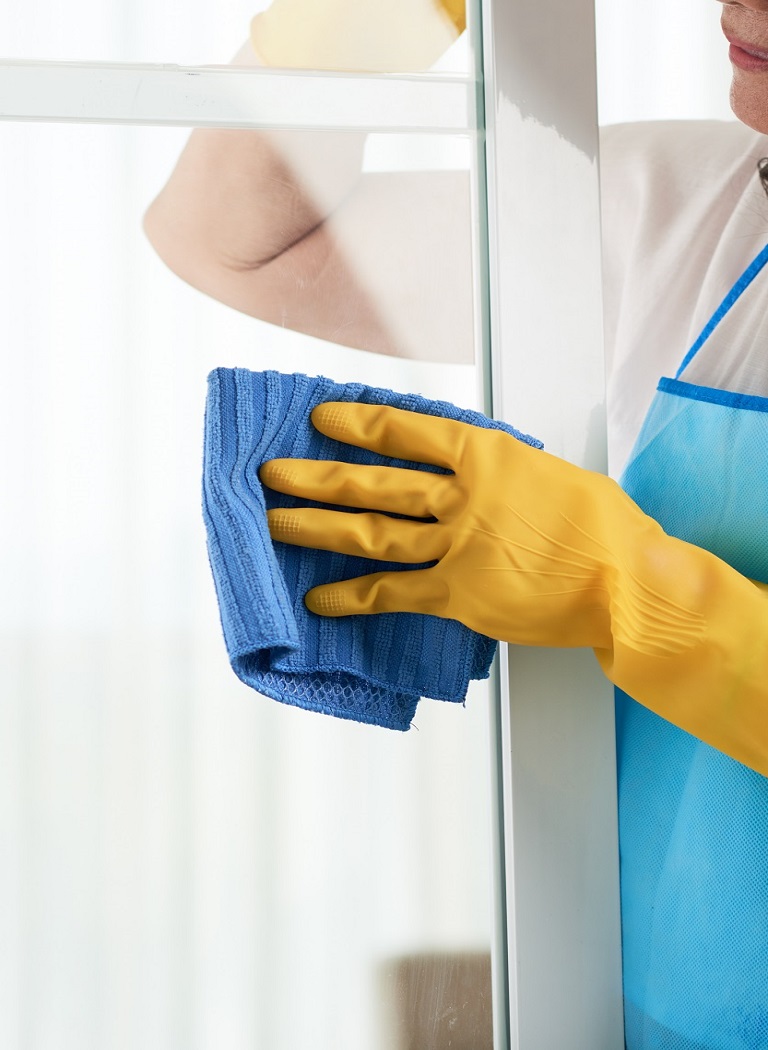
x=400, y=36
x=185, y=862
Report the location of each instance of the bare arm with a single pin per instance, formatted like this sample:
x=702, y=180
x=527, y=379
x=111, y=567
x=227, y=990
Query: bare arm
x=238, y=199
x=282, y=226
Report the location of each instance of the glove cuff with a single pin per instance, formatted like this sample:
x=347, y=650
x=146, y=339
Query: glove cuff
x=707, y=670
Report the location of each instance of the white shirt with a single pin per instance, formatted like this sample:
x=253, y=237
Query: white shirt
x=684, y=214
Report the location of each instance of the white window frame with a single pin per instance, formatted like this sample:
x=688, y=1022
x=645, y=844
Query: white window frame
x=556, y=730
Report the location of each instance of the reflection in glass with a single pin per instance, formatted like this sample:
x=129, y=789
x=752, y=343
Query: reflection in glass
x=186, y=863
x=438, y=1001
x=284, y=227
x=208, y=34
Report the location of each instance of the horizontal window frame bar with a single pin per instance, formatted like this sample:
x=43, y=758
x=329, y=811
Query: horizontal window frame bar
x=222, y=96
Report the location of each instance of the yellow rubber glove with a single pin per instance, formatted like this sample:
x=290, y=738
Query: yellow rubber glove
x=532, y=550
x=386, y=36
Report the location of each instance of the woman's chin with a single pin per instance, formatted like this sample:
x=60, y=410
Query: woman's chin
x=749, y=99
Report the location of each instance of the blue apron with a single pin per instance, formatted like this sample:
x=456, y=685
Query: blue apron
x=694, y=823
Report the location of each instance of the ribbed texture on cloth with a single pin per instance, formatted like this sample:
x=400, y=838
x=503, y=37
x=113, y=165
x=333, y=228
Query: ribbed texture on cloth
x=368, y=668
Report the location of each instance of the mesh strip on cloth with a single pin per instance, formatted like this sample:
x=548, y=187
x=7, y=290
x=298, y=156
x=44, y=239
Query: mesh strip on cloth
x=369, y=668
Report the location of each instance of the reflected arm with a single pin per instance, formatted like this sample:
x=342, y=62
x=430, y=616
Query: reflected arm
x=283, y=226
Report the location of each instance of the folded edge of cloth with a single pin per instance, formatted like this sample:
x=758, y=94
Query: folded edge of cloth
x=372, y=669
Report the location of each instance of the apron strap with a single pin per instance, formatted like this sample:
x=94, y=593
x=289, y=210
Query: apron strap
x=739, y=287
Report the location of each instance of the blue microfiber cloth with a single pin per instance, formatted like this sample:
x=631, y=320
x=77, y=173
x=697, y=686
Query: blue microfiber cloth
x=369, y=668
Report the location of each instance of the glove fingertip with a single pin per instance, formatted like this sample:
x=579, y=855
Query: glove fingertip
x=327, y=601
x=284, y=526
x=328, y=414
x=278, y=474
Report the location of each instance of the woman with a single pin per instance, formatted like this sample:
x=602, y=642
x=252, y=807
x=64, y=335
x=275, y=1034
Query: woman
x=665, y=577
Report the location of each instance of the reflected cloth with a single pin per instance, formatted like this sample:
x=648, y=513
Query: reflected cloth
x=371, y=669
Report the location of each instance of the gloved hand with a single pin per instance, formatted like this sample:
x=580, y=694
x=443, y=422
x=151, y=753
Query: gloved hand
x=532, y=550
x=387, y=36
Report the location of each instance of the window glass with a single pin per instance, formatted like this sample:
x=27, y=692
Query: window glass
x=186, y=862
x=401, y=36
